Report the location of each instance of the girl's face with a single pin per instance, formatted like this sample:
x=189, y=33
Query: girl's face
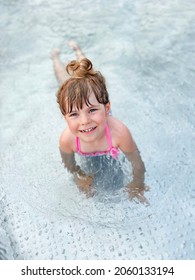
x=89, y=122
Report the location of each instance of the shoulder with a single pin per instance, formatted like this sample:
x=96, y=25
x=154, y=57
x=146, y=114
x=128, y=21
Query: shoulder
x=121, y=135
x=117, y=128
x=67, y=141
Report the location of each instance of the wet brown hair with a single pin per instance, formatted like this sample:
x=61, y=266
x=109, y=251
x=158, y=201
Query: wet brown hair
x=82, y=82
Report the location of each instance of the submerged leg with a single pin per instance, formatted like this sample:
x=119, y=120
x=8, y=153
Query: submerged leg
x=58, y=66
x=80, y=55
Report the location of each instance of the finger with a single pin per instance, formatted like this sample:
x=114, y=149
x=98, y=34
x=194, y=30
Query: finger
x=90, y=193
x=143, y=199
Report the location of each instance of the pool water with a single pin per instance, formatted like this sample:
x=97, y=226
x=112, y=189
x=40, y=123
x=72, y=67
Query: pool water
x=145, y=50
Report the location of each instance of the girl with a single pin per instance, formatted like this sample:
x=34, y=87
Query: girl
x=91, y=129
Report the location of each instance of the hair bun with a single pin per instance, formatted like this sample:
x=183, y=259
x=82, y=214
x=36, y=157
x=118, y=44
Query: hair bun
x=80, y=69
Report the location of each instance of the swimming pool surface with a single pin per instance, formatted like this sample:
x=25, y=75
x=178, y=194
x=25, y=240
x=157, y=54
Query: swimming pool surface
x=145, y=50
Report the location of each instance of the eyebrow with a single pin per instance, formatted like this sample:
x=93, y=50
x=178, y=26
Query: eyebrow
x=72, y=112
x=76, y=110
x=90, y=106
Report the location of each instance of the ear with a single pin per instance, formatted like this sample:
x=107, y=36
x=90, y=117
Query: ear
x=107, y=108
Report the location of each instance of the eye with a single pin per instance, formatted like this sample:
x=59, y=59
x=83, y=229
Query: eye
x=71, y=115
x=92, y=110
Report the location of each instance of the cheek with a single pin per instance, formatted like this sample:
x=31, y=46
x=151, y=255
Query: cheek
x=102, y=119
x=72, y=125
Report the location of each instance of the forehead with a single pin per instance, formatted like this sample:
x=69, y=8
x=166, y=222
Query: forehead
x=92, y=101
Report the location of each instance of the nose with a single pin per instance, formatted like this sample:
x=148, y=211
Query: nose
x=84, y=118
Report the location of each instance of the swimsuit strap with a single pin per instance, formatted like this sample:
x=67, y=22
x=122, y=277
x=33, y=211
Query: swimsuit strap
x=112, y=150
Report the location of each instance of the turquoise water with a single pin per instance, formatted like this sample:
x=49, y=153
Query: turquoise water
x=145, y=49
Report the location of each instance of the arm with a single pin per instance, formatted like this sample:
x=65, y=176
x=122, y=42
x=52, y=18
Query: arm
x=69, y=162
x=82, y=180
x=137, y=187
x=138, y=166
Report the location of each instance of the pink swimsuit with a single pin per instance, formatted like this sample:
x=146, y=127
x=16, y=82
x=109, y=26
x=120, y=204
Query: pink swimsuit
x=112, y=150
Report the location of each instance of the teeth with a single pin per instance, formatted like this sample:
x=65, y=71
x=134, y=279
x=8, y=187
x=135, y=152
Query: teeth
x=88, y=130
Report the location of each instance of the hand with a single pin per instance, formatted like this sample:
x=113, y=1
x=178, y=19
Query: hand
x=84, y=182
x=137, y=191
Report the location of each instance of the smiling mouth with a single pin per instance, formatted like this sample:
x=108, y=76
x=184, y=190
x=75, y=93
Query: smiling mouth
x=88, y=130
